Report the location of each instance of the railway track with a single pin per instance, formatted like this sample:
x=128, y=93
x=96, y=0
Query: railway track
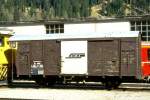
x=89, y=85
x=88, y=91
x=99, y=86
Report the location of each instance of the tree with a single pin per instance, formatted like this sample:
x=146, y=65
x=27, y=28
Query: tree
x=114, y=8
x=84, y=10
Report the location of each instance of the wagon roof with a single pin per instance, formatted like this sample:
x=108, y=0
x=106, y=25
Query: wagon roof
x=67, y=36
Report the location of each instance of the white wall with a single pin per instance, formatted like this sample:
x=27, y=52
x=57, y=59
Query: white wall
x=75, y=28
x=115, y=26
x=79, y=28
x=96, y=27
x=31, y=30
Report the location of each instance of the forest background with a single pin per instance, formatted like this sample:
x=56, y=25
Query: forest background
x=36, y=10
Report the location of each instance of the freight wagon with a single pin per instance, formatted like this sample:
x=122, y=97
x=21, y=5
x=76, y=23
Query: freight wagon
x=110, y=58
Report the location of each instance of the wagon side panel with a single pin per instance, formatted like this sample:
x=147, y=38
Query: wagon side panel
x=103, y=58
x=23, y=58
x=51, y=57
x=129, y=57
x=36, y=58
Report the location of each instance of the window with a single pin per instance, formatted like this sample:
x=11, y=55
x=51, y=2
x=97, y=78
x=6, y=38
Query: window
x=1, y=41
x=143, y=27
x=54, y=28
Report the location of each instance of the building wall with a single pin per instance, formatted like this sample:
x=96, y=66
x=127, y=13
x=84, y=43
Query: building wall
x=96, y=27
x=75, y=28
x=28, y=29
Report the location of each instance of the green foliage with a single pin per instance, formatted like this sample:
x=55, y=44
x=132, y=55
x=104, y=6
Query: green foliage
x=30, y=10
x=114, y=8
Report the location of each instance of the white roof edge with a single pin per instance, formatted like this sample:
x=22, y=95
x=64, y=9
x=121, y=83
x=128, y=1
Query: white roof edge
x=6, y=32
x=145, y=43
x=74, y=36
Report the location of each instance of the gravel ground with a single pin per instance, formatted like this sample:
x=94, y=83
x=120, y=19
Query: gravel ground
x=72, y=94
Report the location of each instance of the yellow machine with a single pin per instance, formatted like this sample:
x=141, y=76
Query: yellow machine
x=4, y=57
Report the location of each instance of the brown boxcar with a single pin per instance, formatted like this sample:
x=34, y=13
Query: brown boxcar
x=109, y=60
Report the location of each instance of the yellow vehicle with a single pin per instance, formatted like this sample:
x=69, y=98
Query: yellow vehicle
x=5, y=57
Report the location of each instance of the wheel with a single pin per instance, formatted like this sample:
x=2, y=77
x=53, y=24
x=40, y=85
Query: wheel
x=9, y=82
x=107, y=84
x=41, y=82
x=111, y=83
x=116, y=84
x=51, y=81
